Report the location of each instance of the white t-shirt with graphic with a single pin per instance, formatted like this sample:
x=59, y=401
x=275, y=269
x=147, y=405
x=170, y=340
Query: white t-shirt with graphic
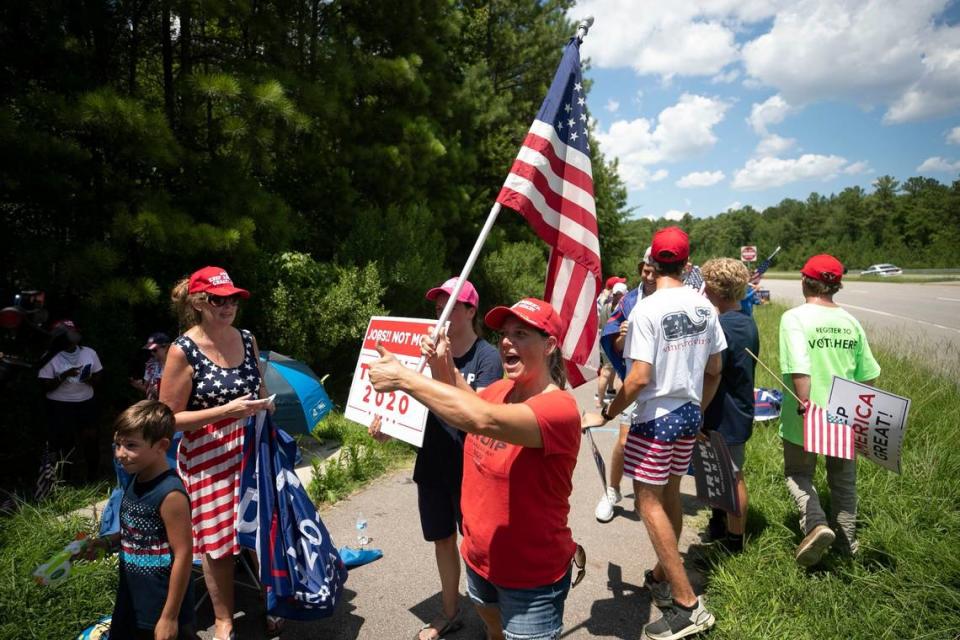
x=676, y=330
x=73, y=389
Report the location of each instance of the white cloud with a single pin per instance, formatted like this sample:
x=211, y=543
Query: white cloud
x=676, y=38
x=682, y=131
x=937, y=164
x=773, y=145
x=612, y=105
x=953, y=136
x=674, y=214
x=763, y=173
x=856, y=168
x=864, y=51
x=725, y=78
x=736, y=204
x=771, y=111
x=700, y=179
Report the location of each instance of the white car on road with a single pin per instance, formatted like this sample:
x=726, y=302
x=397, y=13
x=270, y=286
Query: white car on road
x=882, y=270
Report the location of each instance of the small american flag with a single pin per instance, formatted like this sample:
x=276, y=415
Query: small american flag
x=47, y=477
x=551, y=185
x=762, y=269
x=826, y=433
x=694, y=279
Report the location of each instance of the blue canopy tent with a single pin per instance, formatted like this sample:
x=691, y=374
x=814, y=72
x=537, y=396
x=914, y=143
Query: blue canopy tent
x=301, y=400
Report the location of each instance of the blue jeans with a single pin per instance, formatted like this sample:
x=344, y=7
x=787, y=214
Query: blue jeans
x=527, y=614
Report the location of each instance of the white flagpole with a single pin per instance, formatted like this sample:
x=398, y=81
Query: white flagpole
x=474, y=254
x=582, y=28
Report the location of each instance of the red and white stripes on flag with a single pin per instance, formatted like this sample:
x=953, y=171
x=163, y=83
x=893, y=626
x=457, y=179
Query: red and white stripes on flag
x=551, y=185
x=826, y=433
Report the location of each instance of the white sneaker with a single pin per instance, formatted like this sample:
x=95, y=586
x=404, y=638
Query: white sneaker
x=604, y=510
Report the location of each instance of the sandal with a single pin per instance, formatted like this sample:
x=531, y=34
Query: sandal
x=447, y=625
x=275, y=624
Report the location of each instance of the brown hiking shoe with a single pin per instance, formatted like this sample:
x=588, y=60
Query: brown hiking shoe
x=812, y=548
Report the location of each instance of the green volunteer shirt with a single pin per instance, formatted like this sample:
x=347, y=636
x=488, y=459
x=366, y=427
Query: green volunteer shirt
x=820, y=342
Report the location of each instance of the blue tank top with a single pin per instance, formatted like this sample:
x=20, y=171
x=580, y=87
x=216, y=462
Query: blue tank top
x=146, y=558
x=213, y=385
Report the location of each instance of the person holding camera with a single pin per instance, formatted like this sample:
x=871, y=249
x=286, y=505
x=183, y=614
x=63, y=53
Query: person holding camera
x=69, y=372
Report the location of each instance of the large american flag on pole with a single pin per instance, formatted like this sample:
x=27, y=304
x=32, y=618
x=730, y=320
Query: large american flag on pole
x=551, y=185
x=826, y=433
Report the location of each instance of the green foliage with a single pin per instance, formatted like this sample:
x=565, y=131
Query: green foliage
x=513, y=272
x=360, y=459
x=913, y=225
x=314, y=309
x=907, y=528
x=29, y=538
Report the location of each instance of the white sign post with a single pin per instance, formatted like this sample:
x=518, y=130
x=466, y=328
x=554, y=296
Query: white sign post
x=878, y=418
x=402, y=417
x=748, y=253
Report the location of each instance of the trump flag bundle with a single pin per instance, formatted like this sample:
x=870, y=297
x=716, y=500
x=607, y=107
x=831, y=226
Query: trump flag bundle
x=551, y=185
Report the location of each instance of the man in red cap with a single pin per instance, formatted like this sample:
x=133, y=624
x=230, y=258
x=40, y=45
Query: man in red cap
x=673, y=343
x=819, y=340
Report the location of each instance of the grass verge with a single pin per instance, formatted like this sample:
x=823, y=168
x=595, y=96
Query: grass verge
x=360, y=460
x=905, y=583
x=28, y=538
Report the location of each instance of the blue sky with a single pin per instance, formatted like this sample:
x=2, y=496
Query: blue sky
x=709, y=104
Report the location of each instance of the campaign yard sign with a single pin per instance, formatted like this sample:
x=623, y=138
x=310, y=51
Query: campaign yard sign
x=714, y=473
x=878, y=418
x=402, y=417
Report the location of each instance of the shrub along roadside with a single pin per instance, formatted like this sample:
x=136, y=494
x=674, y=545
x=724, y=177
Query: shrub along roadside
x=360, y=460
x=905, y=583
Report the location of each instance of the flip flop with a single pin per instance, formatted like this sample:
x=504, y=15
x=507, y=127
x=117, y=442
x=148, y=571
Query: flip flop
x=448, y=625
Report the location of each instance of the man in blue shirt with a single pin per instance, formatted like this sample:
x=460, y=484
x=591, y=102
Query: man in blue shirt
x=731, y=412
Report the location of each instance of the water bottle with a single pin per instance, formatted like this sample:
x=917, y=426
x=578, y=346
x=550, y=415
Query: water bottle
x=362, y=538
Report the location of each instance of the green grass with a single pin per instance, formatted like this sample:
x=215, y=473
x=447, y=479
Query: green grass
x=360, y=460
x=29, y=538
x=905, y=582
x=856, y=277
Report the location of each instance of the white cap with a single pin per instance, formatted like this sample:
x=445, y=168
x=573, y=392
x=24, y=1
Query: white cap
x=619, y=288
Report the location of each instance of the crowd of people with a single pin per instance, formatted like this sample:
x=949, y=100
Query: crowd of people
x=501, y=439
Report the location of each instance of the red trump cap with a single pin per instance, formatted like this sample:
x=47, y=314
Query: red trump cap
x=531, y=311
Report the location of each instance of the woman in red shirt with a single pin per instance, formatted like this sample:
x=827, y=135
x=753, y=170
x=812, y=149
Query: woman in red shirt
x=519, y=455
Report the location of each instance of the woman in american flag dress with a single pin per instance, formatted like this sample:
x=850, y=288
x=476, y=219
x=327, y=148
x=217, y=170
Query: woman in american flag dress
x=213, y=383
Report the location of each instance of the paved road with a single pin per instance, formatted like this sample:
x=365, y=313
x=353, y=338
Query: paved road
x=920, y=320
x=389, y=598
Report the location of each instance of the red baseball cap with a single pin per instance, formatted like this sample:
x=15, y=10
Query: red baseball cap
x=612, y=280
x=468, y=293
x=216, y=281
x=823, y=267
x=670, y=245
x=531, y=311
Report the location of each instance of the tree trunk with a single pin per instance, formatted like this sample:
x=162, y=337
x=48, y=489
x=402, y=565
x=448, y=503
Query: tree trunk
x=167, y=49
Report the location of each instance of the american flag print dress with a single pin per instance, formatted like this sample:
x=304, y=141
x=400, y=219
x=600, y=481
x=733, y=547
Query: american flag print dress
x=209, y=458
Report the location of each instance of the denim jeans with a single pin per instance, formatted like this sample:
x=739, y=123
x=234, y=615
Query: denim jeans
x=527, y=614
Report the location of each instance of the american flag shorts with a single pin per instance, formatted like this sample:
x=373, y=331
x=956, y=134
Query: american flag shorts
x=662, y=447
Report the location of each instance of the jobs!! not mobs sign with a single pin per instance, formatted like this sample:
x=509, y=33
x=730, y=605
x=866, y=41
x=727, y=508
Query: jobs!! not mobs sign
x=402, y=417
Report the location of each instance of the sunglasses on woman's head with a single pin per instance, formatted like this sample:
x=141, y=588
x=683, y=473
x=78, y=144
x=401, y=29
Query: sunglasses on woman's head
x=219, y=301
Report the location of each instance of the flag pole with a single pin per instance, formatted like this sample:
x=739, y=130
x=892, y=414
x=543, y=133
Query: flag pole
x=775, y=376
x=467, y=267
x=582, y=28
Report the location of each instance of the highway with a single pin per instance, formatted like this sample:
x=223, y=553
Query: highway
x=916, y=319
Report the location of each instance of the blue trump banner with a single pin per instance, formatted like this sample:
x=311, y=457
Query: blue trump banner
x=300, y=568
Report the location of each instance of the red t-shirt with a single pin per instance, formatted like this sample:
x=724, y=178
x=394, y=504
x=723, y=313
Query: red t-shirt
x=515, y=500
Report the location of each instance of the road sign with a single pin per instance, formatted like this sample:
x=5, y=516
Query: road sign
x=748, y=253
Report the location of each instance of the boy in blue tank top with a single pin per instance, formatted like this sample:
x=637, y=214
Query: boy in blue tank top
x=154, y=599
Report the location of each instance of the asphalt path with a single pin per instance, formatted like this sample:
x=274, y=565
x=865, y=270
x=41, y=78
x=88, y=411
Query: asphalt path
x=393, y=596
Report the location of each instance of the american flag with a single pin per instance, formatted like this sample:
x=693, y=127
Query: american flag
x=551, y=185
x=755, y=278
x=47, y=476
x=826, y=433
